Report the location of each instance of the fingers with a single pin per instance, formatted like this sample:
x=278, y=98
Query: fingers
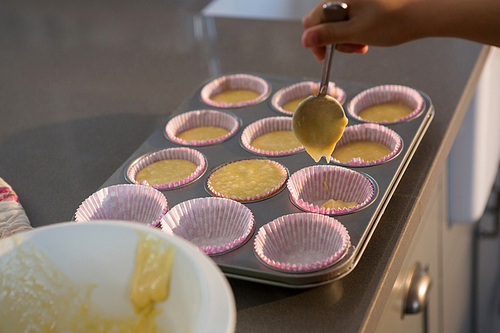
x=319, y=53
x=327, y=33
x=316, y=34
x=313, y=17
x=352, y=48
x=310, y=38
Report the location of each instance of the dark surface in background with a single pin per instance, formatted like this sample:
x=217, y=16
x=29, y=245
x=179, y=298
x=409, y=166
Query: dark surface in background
x=54, y=148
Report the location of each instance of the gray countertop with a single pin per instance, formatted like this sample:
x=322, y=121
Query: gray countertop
x=83, y=84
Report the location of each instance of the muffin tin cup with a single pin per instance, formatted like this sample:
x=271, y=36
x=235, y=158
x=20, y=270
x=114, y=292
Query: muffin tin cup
x=127, y=202
x=301, y=242
x=214, y=225
x=199, y=118
x=303, y=90
x=250, y=198
x=403, y=95
x=264, y=126
x=172, y=153
x=233, y=82
x=311, y=187
x=373, y=133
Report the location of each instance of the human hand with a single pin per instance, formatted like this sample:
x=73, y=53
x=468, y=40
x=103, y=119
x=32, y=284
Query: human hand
x=370, y=22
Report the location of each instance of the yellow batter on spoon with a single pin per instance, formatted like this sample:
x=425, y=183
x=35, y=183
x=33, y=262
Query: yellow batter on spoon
x=292, y=104
x=318, y=123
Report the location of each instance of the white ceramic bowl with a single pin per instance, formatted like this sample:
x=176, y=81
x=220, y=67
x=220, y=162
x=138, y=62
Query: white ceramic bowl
x=103, y=253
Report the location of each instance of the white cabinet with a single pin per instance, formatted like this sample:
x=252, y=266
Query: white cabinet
x=475, y=155
x=424, y=249
x=446, y=251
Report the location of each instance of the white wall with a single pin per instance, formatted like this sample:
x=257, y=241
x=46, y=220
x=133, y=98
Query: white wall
x=475, y=155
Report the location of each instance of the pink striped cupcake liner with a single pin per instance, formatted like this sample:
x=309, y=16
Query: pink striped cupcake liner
x=313, y=186
x=235, y=81
x=374, y=133
x=200, y=118
x=303, y=90
x=171, y=153
x=301, y=242
x=127, y=202
x=264, y=126
x=257, y=196
x=387, y=94
x=214, y=225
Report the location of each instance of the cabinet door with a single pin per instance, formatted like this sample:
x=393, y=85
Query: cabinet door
x=423, y=249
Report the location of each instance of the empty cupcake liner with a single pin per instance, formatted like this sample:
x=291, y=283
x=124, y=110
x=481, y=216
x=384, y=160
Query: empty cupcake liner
x=304, y=89
x=301, y=242
x=257, y=196
x=371, y=132
x=199, y=118
x=387, y=94
x=311, y=187
x=171, y=153
x=263, y=126
x=235, y=81
x=214, y=225
x=127, y=202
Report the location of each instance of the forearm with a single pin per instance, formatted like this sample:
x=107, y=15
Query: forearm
x=475, y=20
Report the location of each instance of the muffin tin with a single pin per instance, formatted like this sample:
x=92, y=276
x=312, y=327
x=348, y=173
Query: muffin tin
x=242, y=261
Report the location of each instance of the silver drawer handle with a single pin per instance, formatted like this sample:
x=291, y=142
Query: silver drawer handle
x=417, y=290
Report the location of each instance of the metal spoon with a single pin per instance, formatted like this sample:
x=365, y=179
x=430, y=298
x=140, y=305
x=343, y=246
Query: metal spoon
x=319, y=121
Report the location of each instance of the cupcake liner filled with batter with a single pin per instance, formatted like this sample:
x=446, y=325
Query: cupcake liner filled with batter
x=271, y=136
x=386, y=104
x=214, y=225
x=286, y=99
x=127, y=202
x=301, y=242
x=235, y=90
x=330, y=189
x=247, y=180
x=167, y=168
x=201, y=127
x=366, y=144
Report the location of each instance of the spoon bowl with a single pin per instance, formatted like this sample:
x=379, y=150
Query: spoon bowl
x=318, y=123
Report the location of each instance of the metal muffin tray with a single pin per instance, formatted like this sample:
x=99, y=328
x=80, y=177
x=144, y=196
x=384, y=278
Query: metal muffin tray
x=242, y=262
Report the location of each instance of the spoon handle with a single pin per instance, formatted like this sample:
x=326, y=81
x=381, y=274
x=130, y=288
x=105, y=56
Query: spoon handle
x=332, y=12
